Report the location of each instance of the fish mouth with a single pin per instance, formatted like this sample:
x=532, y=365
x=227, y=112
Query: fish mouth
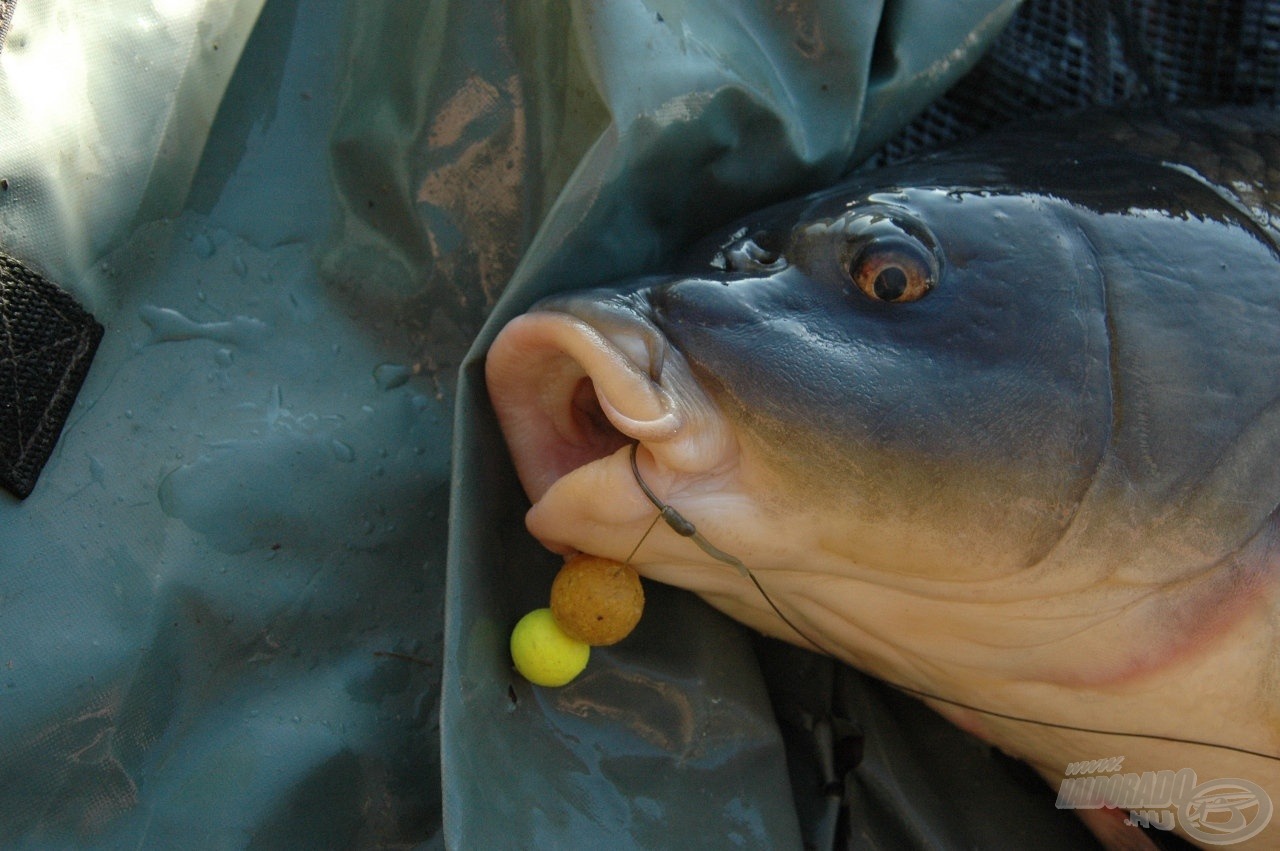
x=580, y=377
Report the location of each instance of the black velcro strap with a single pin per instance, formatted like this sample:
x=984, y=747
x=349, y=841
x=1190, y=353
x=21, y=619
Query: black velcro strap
x=47, y=342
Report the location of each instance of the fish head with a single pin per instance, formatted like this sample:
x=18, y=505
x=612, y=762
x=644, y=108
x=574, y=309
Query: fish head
x=995, y=426
x=905, y=382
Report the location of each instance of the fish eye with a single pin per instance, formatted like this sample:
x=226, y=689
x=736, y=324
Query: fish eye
x=896, y=271
x=889, y=255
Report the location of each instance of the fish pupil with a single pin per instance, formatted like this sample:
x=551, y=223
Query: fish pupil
x=891, y=283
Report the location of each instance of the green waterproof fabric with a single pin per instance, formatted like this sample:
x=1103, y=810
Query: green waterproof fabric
x=220, y=609
x=680, y=116
x=224, y=614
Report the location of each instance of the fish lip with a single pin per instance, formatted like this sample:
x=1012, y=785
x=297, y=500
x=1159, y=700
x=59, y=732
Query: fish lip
x=578, y=377
x=623, y=320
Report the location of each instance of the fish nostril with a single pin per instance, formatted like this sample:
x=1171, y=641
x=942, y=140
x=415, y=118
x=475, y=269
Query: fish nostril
x=754, y=254
x=759, y=254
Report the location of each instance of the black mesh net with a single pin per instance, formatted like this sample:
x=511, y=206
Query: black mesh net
x=1060, y=55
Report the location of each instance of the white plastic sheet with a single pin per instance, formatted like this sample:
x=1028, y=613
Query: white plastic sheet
x=104, y=112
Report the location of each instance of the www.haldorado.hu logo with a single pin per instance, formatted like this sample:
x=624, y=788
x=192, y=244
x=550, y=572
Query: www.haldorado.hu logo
x=1217, y=812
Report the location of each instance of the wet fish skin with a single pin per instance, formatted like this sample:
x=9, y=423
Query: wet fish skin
x=1056, y=320
x=1046, y=487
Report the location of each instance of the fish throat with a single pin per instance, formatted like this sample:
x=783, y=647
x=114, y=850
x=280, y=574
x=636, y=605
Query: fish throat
x=685, y=528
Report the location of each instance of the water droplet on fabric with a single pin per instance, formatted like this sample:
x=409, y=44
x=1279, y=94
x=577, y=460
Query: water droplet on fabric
x=391, y=375
x=203, y=246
